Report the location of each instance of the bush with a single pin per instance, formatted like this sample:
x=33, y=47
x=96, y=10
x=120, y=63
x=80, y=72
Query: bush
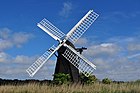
x=61, y=78
x=137, y=81
x=106, y=81
x=88, y=80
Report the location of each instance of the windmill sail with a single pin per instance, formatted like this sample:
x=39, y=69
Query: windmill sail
x=49, y=28
x=80, y=62
x=77, y=31
x=41, y=60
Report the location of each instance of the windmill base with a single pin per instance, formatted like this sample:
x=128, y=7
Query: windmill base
x=64, y=66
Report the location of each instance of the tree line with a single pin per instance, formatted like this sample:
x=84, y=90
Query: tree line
x=60, y=79
x=22, y=82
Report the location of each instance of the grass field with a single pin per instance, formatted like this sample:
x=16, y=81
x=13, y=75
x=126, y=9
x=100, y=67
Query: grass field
x=74, y=88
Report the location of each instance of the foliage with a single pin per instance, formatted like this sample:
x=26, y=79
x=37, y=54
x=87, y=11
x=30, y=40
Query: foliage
x=137, y=81
x=61, y=78
x=88, y=80
x=106, y=81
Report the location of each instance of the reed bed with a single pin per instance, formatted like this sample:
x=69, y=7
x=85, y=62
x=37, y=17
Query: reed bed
x=73, y=88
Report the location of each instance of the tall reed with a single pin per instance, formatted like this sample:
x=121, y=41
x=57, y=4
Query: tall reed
x=73, y=88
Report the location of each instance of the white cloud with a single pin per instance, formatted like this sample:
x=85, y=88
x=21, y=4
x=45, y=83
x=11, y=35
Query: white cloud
x=105, y=48
x=101, y=63
x=120, y=68
x=4, y=57
x=20, y=38
x=134, y=47
x=134, y=55
x=106, y=44
x=24, y=59
x=115, y=59
x=5, y=44
x=66, y=10
x=9, y=39
x=15, y=67
x=20, y=59
x=81, y=42
x=4, y=33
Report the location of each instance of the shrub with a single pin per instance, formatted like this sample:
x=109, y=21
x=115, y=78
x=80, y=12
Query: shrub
x=88, y=80
x=61, y=78
x=106, y=81
x=137, y=81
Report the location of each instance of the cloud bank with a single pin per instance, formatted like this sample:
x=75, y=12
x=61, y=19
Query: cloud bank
x=9, y=39
x=12, y=67
x=117, y=59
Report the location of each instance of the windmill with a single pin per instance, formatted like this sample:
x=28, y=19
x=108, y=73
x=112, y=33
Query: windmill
x=66, y=48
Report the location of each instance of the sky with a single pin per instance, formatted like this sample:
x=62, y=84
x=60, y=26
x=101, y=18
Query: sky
x=112, y=41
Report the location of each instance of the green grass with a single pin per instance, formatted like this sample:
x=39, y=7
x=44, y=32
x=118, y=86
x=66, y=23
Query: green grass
x=74, y=88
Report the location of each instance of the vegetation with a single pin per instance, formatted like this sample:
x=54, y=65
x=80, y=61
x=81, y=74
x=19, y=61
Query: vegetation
x=87, y=80
x=45, y=86
x=61, y=78
x=74, y=88
x=106, y=81
x=137, y=81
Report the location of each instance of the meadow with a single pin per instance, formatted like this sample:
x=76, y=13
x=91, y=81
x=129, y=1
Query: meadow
x=72, y=88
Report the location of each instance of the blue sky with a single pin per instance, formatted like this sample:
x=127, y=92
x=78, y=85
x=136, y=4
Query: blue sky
x=112, y=41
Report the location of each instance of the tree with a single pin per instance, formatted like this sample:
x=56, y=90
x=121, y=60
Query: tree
x=61, y=78
x=106, y=81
